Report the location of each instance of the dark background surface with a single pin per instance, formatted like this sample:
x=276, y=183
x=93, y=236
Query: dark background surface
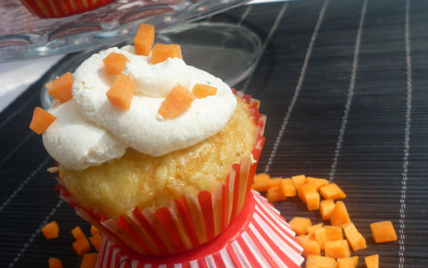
x=328, y=95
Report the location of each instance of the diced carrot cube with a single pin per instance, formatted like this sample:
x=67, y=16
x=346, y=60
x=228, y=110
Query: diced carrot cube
x=162, y=52
x=144, y=39
x=372, y=261
x=96, y=241
x=77, y=233
x=50, y=230
x=383, y=232
x=275, y=194
x=355, y=239
x=54, y=263
x=94, y=230
x=115, y=63
x=261, y=182
x=332, y=191
x=298, y=181
x=274, y=182
x=41, y=120
x=81, y=246
x=314, y=261
x=287, y=187
x=300, y=225
x=321, y=237
x=306, y=188
x=60, y=88
x=339, y=215
x=333, y=233
x=310, y=247
x=202, y=91
x=337, y=249
x=350, y=262
x=177, y=101
x=89, y=260
x=312, y=200
x=326, y=207
x=317, y=182
x=120, y=94
x=313, y=228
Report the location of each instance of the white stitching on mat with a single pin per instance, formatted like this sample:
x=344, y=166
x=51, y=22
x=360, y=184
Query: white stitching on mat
x=298, y=87
x=406, y=140
x=33, y=236
x=16, y=148
x=350, y=94
x=23, y=184
x=245, y=14
x=271, y=32
x=24, y=105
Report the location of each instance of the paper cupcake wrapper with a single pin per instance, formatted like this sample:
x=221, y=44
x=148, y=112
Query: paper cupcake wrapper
x=189, y=222
x=260, y=237
x=62, y=8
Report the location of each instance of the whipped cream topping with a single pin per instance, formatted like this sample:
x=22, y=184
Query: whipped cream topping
x=90, y=131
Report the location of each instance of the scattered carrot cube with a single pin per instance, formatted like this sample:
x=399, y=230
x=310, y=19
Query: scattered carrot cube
x=355, y=239
x=333, y=233
x=60, y=88
x=274, y=182
x=310, y=247
x=50, y=230
x=54, y=263
x=312, y=200
x=77, y=233
x=81, y=246
x=41, y=120
x=89, y=260
x=332, y=191
x=300, y=225
x=372, y=261
x=306, y=188
x=287, y=187
x=313, y=228
x=350, y=262
x=120, y=94
x=96, y=241
x=321, y=237
x=337, y=249
x=261, y=182
x=317, y=182
x=177, y=101
x=339, y=215
x=144, y=39
x=114, y=63
x=275, y=194
x=202, y=91
x=314, y=261
x=383, y=232
x=162, y=52
x=298, y=181
x=94, y=230
x=326, y=207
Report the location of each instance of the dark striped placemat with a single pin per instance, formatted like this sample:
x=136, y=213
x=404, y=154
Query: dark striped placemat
x=344, y=86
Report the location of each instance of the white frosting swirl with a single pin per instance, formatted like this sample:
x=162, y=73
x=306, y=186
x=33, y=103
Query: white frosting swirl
x=93, y=131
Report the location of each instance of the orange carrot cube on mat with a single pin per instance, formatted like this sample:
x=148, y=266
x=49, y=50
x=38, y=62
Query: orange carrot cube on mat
x=287, y=187
x=310, y=247
x=50, y=230
x=383, y=232
x=350, y=262
x=261, y=182
x=339, y=215
x=355, y=239
x=317, y=182
x=54, y=263
x=89, y=260
x=326, y=208
x=300, y=225
x=298, y=181
x=94, y=230
x=144, y=39
x=81, y=246
x=77, y=233
x=275, y=194
x=333, y=233
x=372, y=261
x=337, y=249
x=274, y=182
x=96, y=241
x=332, y=191
x=320, y=237
x=314, y=261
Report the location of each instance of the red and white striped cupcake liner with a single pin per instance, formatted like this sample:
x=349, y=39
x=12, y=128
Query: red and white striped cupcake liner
x=258, y=237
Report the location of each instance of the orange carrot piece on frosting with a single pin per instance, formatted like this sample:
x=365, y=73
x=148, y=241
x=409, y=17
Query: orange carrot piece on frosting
x=202, y=91
x=177, y=101
x=162, y=52
x=60, y=88
x=120, y=94
x=115, y=63
x=41, y=120
x=144, y=39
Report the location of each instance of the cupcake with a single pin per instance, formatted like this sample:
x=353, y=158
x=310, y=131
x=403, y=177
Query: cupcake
x=157, y=154
x=62, y=8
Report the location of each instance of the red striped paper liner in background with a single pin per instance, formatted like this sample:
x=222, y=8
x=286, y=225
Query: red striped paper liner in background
x=62, y=8
x=189, y=222
x=260, y=237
